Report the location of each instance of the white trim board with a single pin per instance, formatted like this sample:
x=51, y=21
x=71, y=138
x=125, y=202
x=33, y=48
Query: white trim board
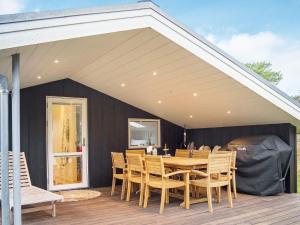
x=28, y=29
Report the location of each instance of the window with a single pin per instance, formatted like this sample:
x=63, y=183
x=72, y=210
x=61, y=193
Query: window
x=143, y=133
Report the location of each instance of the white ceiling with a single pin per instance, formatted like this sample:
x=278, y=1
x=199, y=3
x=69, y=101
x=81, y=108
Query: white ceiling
x=105, y=61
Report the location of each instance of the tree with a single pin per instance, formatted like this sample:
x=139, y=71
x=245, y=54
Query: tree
x=297, y=97
x=265, y=70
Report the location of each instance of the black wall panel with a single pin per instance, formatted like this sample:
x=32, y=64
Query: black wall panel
x=107, y=128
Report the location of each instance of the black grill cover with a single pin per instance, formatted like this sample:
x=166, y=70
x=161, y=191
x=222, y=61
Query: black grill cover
x=262, y=162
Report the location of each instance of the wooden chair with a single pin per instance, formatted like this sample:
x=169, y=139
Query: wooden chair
x=201, y=148
x=233, y=171
x=206, y=147
x=157, y=178
x=217, y=164
x=136, y=151
x=182, y=153
x=136, y=174
x=216, y=149
x=33, y=198
x=118, y=163
x=202, y=154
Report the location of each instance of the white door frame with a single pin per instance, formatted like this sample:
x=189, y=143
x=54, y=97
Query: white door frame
x=50, y=155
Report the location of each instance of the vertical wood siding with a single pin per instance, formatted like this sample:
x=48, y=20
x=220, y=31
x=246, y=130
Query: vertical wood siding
x=107, y=128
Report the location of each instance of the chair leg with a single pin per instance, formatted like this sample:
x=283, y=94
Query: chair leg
x=187, y=191
x=209, y=199
x=142, y=188
x=234, y=186
x=128, y=191
x=167, y=196
x=219, y=194
x=123, y=189
x=229, y=195
x=113, y=186
x=146, y=196
x=53, y=209
x=162, y=200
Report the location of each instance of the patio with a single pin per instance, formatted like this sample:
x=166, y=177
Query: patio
x=283, y=209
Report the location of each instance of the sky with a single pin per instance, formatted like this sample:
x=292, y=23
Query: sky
x=250, y=31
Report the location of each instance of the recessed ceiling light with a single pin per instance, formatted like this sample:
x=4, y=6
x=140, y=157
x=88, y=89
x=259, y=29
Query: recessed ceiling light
x=154, y=73
x=195, y=94
x=159, y=101
x=123, y=85
x=191, y=116
x=228, y=112
x=39, y=77
x=56, y=61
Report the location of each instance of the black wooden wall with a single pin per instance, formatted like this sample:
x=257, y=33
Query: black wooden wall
x=221, y=136
x=107, y=128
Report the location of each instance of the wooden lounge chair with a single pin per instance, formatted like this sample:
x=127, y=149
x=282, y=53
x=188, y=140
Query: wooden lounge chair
x=157, y=178
x=32, y=198
x=217, y=164
x=118, y=162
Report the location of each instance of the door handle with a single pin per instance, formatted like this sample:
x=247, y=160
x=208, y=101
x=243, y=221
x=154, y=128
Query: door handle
x=83, y=142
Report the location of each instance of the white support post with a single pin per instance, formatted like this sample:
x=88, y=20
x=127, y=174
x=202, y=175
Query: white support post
x=5, y=206
x=16, y=137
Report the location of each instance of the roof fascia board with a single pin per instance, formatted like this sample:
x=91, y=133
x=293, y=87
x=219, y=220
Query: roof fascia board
x=34, y=16
x=19, y=34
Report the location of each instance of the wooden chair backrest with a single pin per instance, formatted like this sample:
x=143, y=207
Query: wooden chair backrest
x=182, y=153
x=134, y=162
x=154, y=165
x=216, y=149
x=24, y=174
x=207, y=148
x=202, y=154
x=219, y=163
x=233, y=158
x=118, y=160
x=136, y=151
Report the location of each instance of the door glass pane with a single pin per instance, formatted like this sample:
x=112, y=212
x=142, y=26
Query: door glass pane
x=67, y=170
x=66, y=125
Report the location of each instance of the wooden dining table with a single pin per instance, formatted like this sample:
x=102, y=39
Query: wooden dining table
x=186, y=164
x=181, y=162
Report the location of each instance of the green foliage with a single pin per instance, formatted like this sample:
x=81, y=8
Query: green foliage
x=297, y=98
x=265, y=70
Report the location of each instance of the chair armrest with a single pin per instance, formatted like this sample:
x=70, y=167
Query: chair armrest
x=199, y=173
x=177, y=172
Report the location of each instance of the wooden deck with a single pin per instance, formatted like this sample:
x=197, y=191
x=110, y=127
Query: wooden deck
x=283, y=209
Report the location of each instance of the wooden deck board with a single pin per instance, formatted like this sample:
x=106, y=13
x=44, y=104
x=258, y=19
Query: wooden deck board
x=283, y=209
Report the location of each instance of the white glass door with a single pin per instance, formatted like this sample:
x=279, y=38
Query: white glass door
x=67, y=143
